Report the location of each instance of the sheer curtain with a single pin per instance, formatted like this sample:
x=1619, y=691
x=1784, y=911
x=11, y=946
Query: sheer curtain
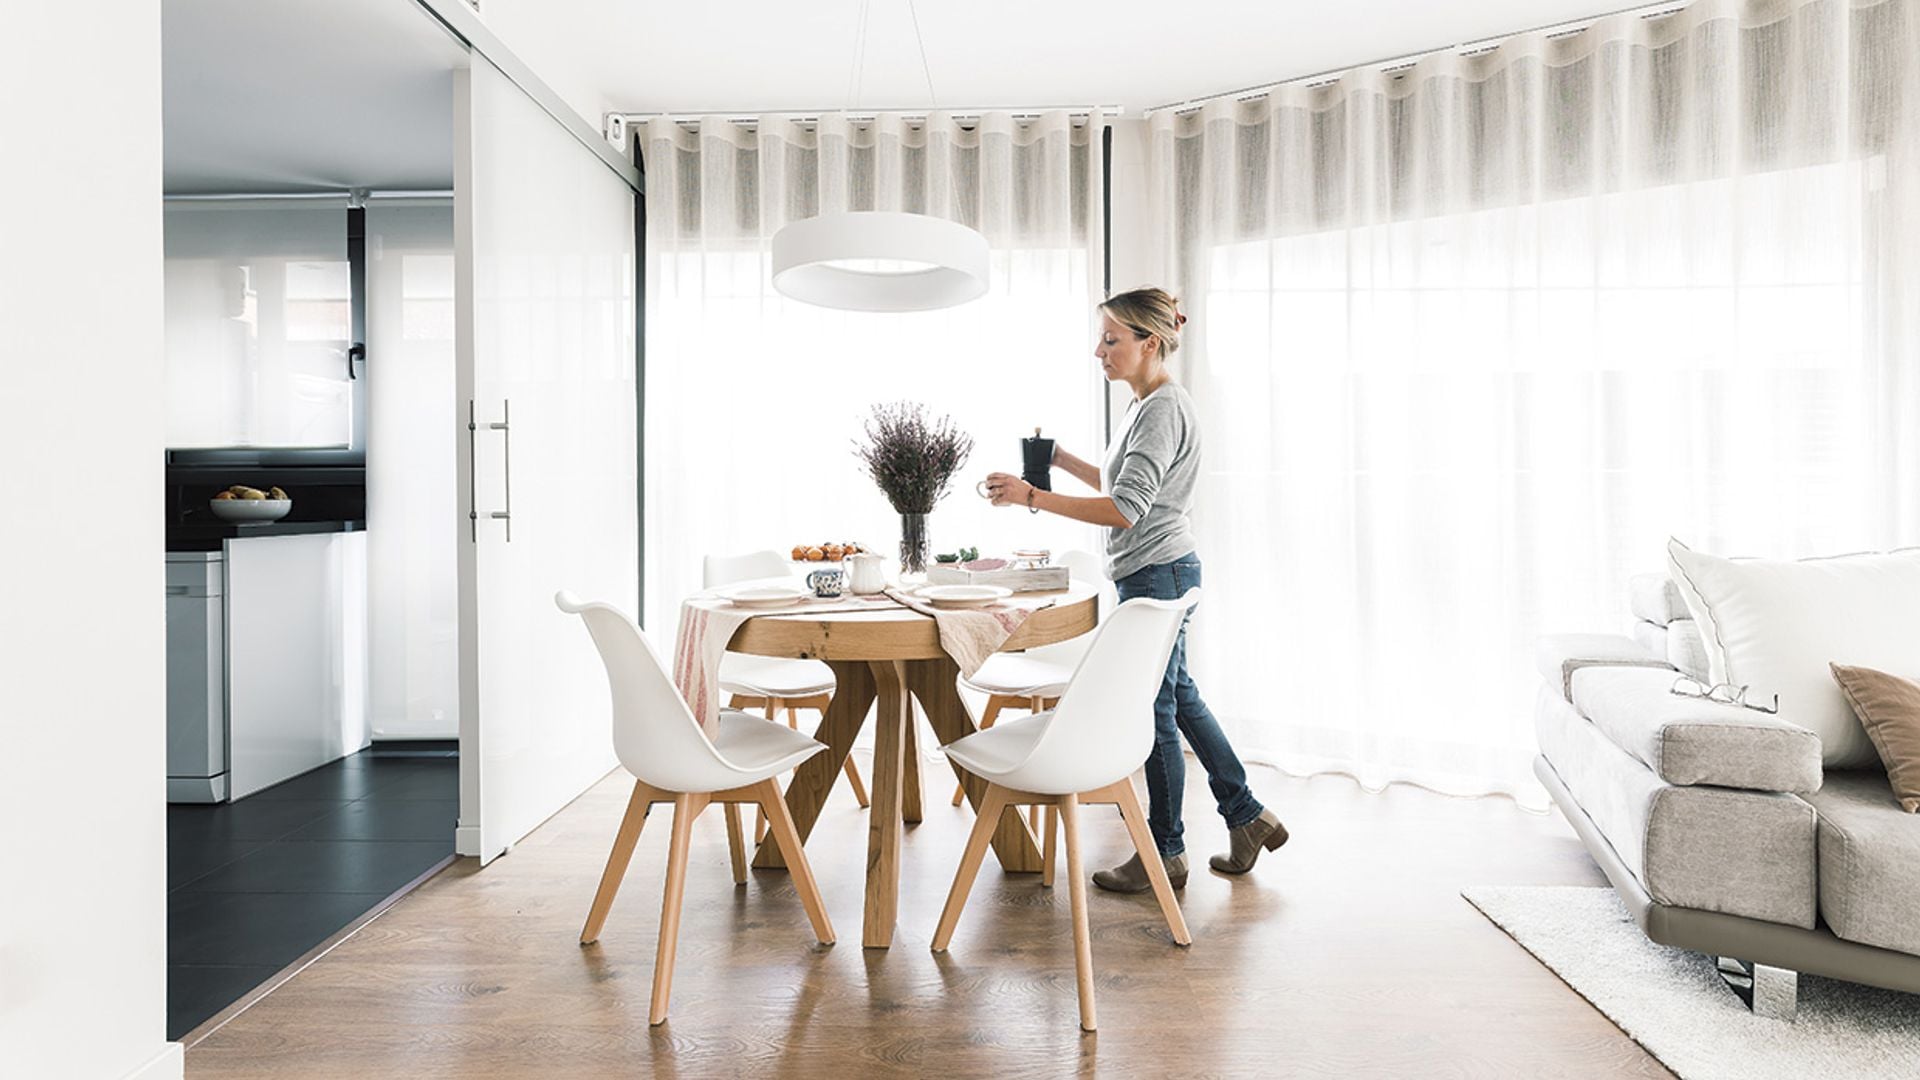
x=1471, y=339
x=753, y=401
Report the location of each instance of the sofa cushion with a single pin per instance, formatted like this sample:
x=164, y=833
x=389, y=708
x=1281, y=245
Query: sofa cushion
x=1686, y=649
x=1869, y=862
x=1558, y=656
x=1655, y=599
x=1688, y=740
x=1776, y=625
x=1889, y=708
x=1650, y=637
x=1745, y=853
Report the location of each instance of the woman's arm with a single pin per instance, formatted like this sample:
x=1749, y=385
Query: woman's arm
x=1083, y=471
x=1005, y=489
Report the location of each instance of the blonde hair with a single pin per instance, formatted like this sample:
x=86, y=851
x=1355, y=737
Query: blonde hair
x=1149, y=312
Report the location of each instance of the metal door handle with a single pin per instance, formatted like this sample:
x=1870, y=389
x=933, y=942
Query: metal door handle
x=504, y=427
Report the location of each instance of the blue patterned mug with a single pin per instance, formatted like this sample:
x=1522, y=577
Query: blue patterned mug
x=828, y=582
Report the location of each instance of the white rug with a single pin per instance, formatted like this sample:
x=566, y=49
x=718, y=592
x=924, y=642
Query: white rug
x=1672, y=1001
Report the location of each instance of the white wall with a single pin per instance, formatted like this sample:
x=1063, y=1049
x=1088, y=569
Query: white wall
x=82, y=679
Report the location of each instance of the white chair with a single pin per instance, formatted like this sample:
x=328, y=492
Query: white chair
x=1035, y=679
x=771, y=682
x=673, y=761
x=1082, y=753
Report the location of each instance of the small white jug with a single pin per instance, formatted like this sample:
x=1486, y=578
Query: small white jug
x=866, y=573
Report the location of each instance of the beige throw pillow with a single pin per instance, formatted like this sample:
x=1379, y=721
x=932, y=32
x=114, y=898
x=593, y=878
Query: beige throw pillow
x=1889, y=708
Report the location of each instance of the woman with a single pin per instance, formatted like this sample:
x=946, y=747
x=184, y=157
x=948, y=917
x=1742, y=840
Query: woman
x=1148, y=482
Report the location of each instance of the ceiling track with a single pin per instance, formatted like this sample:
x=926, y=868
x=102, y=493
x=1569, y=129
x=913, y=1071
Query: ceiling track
x=1078, y=114
x=464, y=24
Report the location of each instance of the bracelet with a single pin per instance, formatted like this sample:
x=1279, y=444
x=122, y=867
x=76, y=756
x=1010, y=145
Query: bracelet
x=1031, y=509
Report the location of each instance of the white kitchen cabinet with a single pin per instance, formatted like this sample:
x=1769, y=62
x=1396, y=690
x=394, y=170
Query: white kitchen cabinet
x=296, y=654
x=266, y=661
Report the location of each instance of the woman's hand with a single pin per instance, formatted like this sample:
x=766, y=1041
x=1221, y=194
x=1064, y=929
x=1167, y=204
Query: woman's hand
x=1006, y=489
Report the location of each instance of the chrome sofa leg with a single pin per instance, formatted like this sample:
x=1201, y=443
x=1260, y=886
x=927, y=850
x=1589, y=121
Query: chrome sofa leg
x=1769, y=991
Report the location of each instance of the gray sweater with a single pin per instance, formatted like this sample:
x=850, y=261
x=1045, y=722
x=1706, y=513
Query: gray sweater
x=1152, y=469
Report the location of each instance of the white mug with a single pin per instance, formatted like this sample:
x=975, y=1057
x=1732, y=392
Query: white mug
x=866, y=573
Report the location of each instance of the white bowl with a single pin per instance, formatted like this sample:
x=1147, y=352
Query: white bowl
x=250, y=510
x=963, y=596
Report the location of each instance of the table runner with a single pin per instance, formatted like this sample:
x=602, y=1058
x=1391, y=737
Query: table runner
x=707, y=623
x=970, y=635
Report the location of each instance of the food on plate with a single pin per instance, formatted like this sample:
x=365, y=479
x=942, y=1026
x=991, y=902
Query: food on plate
x=226, y=495
x=816, y=554
x=799, y=553
x=836, y=552
x=276, y=493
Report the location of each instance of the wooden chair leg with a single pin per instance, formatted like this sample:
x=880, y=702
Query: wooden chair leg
x=617, y=860
x=1053, y=830
x=685, y=809
x=788, y=838
x=853, y=778
x=1035, y=706
x=1136, y=820
x=983, y=827
x=760, y=816
x=1077, y=888
x=995, y=703
x=736, y=846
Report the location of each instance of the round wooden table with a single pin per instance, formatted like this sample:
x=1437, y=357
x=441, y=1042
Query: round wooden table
x=892, y=655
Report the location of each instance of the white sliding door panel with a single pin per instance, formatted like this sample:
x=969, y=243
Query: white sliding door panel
x=545, y=325
x=412, y=508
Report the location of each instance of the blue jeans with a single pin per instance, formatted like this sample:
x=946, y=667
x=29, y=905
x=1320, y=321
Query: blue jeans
x=1179, y=711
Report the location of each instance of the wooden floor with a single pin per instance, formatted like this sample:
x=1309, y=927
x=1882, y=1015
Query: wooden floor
x=1347, y=953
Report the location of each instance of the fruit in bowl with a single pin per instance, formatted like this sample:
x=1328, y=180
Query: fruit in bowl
x=243, y=504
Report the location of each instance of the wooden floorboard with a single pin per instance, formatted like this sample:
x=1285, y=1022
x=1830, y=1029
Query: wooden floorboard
x=1347, y=953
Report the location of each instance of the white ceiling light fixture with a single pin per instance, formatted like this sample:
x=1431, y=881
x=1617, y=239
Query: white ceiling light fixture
x=880, y=260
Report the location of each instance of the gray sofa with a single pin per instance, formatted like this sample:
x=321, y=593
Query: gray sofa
x=1716, y=823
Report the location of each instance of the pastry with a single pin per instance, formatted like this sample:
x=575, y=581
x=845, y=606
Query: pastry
x=816, y=554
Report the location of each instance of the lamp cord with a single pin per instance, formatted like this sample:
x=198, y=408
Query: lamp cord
x=925, y=68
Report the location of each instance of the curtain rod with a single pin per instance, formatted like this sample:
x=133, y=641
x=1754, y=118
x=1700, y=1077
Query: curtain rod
x=1405, y=61
x=1079, y=114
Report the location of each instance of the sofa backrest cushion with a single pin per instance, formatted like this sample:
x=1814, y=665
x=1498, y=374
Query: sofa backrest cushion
x=1774, y=626
x=1655, y=599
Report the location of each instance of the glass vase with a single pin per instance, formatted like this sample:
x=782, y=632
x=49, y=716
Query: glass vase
x=913, y=544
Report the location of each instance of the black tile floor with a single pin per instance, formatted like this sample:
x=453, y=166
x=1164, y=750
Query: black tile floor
x=253, y=885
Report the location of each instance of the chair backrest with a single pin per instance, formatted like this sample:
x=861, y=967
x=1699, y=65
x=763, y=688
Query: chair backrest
x=1092, y=569
x=1103, y=727
x=655, y=735
x=727, y=569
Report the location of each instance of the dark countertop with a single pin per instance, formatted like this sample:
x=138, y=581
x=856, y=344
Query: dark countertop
x=212, y=535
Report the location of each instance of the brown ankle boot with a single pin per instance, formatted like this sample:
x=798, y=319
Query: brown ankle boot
x=1262, y=833
x=1131, y=876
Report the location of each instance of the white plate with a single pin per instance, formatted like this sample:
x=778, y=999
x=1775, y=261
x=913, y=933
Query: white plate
x=963, y=596
x=762, y=595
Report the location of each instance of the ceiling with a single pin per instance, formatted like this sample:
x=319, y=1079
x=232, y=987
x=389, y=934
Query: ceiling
x=779, y=55
x=322, y=95
x=306, y=95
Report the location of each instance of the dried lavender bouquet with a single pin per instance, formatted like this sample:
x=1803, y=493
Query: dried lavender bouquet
x=912, y=456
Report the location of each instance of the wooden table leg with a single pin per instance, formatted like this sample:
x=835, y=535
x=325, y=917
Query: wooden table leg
x=813, y=779
x=910, y=774
x=932, y=681
x=883, y=813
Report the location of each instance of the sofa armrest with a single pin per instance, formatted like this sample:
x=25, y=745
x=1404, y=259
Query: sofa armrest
x=1690, y=741
x=1558, y=656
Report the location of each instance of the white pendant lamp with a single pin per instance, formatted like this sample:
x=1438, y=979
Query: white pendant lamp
x=879, y=260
